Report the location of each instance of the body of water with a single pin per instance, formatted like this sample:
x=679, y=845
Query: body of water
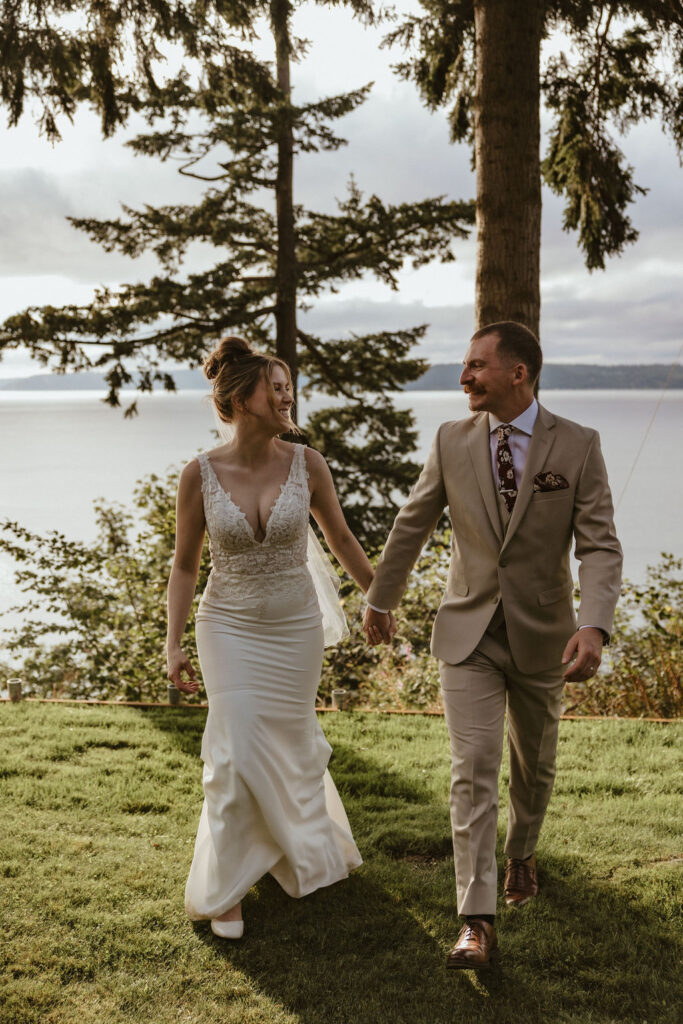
x=60, y=451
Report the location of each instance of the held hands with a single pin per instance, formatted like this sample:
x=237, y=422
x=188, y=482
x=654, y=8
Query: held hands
x=585, y=651
x=379, y=627
x=178, y=662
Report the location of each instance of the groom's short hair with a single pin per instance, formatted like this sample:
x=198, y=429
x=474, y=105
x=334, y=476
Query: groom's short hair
x=516, y=344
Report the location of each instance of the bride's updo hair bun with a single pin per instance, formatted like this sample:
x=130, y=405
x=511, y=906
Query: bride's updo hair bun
x=229, y=351
x=234, y=368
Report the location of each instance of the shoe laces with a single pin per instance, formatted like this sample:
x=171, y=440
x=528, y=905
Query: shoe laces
x=519, y=872
x=472, y=932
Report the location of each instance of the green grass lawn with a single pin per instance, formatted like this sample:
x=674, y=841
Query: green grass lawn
x=99, y=812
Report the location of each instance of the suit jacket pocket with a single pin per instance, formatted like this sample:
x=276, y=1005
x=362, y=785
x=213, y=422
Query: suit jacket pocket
x=459, y=587
x=555, y=593
x=538, y=497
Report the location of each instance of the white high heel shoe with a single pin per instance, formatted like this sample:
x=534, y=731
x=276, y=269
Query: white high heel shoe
x=228, y=929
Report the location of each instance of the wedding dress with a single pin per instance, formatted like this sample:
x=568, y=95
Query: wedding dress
x=270, y=804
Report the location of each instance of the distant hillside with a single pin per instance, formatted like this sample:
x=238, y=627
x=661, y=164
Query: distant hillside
x=566, y=377
x=87, y=381
x=440, y=377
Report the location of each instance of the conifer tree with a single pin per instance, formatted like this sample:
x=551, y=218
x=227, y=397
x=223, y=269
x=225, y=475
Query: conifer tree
x=623, y=63
x=235, y=128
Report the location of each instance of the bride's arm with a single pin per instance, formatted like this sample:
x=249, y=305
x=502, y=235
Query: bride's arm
x=328, y=514
x=183, y=579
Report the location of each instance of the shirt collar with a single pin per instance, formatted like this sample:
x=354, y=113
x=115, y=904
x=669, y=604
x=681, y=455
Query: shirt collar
x=524, y=422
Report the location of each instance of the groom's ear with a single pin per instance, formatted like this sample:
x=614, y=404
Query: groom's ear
x=520, y=374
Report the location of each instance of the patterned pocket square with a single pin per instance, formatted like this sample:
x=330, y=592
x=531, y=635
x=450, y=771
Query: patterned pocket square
x=550, y=482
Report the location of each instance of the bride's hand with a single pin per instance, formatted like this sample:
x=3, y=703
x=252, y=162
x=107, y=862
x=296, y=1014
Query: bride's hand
x=379, y=627
x=178, y=662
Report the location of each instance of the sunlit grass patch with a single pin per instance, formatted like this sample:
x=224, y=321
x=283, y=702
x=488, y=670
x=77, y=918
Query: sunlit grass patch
x=100, y=808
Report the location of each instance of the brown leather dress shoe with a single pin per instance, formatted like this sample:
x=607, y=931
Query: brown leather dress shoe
x=521, y=882
x=476, y=942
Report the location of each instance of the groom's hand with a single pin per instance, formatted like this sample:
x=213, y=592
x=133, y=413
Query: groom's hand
x=379, y=627
x=583, y=654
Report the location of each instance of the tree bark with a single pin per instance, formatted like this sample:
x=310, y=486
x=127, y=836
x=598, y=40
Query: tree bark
x=286, y=264
x=507, y=160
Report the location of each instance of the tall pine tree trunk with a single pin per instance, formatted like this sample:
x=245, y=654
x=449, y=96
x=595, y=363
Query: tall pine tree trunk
x=507, y=158
x=286, y=269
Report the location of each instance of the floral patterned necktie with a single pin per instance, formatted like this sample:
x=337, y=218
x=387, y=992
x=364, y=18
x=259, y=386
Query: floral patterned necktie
x=506, y=469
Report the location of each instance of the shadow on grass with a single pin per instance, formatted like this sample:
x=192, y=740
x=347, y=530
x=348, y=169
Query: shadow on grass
x=358, y=953
x=353, y=952
x=184, y=726
x=354, y=774
x=390, y=813
x=372, y=949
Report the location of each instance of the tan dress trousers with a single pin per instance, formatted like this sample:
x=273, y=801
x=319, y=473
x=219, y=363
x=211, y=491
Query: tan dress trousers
x=476, y=693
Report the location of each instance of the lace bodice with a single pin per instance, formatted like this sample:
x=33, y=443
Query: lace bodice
x=237, y=558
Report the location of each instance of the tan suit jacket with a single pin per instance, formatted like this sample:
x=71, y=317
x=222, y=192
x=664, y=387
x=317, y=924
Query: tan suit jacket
x=526, y=565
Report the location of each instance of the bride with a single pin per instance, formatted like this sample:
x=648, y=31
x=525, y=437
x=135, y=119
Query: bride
x=269, y=802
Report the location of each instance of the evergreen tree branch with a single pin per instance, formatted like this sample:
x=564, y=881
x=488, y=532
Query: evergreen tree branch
x=332, y=379
x=617, y=82
x=377, y=237
x=374, y=363
x=226, y=119
x=602, y=35
x=613, y=79
x=440, y=61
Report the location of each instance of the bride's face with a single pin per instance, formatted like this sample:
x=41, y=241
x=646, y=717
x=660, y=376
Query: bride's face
x=272, y=400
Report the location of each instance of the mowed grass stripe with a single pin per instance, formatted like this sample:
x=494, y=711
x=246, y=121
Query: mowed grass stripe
x=100, y=808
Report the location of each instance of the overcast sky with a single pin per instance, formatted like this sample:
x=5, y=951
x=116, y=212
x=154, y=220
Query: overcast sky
x=631, y=313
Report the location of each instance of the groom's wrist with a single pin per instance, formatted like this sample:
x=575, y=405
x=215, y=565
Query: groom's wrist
x=382, y=611
x=605, y=636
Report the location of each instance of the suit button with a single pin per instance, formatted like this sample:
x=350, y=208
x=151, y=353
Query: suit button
x=495, y=599
x=502, y=563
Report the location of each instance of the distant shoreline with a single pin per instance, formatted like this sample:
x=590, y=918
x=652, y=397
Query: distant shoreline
x=439, y=377
x=569, y=377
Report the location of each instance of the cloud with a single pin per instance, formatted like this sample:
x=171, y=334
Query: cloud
x=633, y=330
x=37, y=238
x=397, y=150
x=657, y=216
x=636, y=331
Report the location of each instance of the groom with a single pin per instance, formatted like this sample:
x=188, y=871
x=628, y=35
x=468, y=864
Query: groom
x=520, y=484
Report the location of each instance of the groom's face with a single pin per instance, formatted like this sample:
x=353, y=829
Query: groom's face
x=487, y=381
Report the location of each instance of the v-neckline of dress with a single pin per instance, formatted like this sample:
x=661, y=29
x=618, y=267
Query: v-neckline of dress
x=228, y=496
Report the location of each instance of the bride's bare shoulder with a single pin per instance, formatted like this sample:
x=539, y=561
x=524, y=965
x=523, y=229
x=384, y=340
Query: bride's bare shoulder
x=287, y=449
x=190, y=485
x=217, y=452
x=315, y=463
x=218, y=458
x=191, y=472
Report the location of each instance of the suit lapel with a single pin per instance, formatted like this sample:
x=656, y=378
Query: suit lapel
x=542, y=440
x=480, y=453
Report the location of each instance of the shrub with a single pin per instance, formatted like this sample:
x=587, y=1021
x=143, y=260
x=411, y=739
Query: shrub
x=404, y=675
x=642, y=674
x=94, y=622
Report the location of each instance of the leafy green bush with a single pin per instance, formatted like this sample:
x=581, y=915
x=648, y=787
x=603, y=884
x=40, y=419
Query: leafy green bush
x=404, y=675
x=644, y=665
x=94, y=622
x=641, y=676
